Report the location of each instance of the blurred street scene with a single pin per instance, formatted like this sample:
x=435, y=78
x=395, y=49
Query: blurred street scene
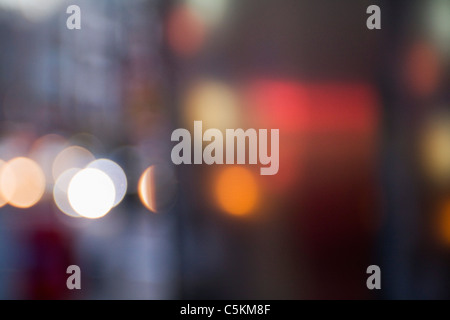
x=86, y=176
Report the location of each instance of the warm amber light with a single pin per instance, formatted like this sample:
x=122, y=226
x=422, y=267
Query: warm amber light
x=157, y=188
x=443, y=224
x=236, y=190
x=71, y=157
x=435, y=148
x=3, y=199
x=146, y=189
x=22, y=182
x=213, y=102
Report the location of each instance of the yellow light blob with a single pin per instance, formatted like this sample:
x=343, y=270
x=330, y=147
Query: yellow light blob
x=236, y=191
x=435, y=149
x=213, y=13
x=213, y=102
x=22, y=182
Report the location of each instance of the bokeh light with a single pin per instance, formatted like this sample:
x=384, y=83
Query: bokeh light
x=117, y=175
x=60, y=192
x=423, y=68
x=213, y=102
x=213, y=13
x=157, y=187
x=71, y=157
x=145, y=189
x=236, y=190
x=91, y=193
x=435, y=148
x=186, y=32
x=22, y=182
x=3, y=200
x=442, y=223
x=363, y=172
x=438, y=21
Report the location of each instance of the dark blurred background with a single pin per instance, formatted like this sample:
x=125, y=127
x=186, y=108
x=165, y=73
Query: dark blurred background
x=364, y=176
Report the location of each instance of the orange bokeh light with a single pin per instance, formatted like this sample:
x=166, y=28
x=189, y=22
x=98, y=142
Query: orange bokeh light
x=443, y=224
x=3, y=199
x=146, y=189
x=236, y=190
x=22, y=182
